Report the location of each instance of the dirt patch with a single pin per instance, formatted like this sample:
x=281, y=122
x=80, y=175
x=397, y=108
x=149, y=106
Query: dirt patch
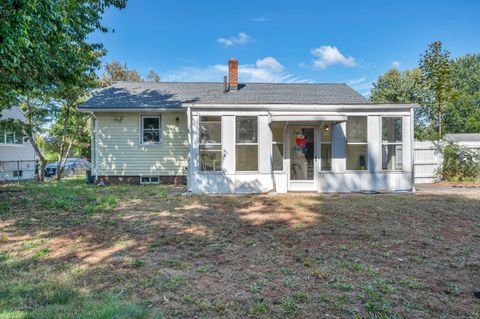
x=305, y=256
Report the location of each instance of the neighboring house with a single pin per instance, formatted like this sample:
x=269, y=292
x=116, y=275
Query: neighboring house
x=243, y=138
x=469, y=140
x=17, y=156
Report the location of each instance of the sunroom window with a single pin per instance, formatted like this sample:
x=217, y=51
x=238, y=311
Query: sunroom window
x=210, y=143
x=246, y=148
x=277, y=148
x=357, y=147
x=326, y=146
x=392, y=143
x=151, y=129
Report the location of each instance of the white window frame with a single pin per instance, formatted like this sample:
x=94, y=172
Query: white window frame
x=256, y=144
x=3, y=141
x=216, y=144
x=356, y=143
x=159, y=117
x=149, y=180
x=322, y=142
x=382, y=143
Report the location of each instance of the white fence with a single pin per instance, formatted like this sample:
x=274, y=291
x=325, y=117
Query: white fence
x=427, y=162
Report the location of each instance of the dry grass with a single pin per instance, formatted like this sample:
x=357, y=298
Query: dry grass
x=306, y=256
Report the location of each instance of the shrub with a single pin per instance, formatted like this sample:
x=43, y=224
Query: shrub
x=460, y=163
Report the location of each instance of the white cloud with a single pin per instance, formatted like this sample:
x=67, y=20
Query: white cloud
x=240, y=39
x=328, y=55
x=265, y=70
x=269, y=63
x=262, y=18
x=395, y=64
x=361, y=85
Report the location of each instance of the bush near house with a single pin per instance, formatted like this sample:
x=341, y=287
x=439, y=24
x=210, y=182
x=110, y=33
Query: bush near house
x=460, y=163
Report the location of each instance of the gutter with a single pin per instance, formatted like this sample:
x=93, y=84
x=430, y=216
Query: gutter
x=302, y=107
x=131, y=110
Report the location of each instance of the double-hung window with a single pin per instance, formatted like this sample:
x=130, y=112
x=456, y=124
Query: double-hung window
x=210, y=143
x=7, y=137
x=246, y=148
x=151, y=129
x=326, y=146
x=277, y=148
x=392, y=143
x=357, y=147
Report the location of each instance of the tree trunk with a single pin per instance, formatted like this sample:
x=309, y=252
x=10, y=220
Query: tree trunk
x=43, y=161
x=61, y=158
x=67, y=153
x=439, y=125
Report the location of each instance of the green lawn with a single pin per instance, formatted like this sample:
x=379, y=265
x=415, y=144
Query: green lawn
x=72, y=250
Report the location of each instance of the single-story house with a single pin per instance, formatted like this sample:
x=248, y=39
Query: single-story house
x=469, y=140
x=17, y=156
x=236, y=137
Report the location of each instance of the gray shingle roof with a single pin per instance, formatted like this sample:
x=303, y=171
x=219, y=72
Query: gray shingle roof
x=173, y=94
x=466, y=137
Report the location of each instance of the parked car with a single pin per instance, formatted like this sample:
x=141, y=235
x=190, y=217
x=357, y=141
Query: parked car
x=72, y=166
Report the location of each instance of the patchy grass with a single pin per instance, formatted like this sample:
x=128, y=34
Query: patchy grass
x=71, y=250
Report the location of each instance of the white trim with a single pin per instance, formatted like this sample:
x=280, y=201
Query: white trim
x=298, y=107
x=149, y=180
x=247, y=144
x=130, y=110
x=150, y=116
x=306, y=118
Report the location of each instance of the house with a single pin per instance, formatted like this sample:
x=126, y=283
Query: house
x=250, y=137
x=468, y=140
x=17, y=156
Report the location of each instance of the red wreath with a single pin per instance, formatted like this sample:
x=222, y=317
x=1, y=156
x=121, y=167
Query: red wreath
x=301, y=141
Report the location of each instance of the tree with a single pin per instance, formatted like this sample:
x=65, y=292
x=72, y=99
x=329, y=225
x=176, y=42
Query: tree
x=462, y=114
x=115, y=71
x=397, y=87
x=45, y=53
x=153, y=77
x=43, y=44
x=436, y=85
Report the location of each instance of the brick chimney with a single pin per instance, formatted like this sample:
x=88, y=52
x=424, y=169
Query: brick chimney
x=233, y=74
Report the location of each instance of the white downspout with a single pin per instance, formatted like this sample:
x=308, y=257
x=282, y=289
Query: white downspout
x=95, y=144
x=412, y=146
x=190, y=146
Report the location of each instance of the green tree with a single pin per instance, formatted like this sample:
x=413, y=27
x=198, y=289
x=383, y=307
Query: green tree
x=437, y=89
x=43, y=44
x=462, y=114
x=397, y=87
x=153, y=77
x=45, y=53
x=115, y=71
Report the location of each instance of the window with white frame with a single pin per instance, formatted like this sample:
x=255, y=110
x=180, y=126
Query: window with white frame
x=151, y=129
x=277, y=148
x=326, y=146
x=149, y=180
x=357, y=147
x=392, y=143
x=210, y=143
x=9, y=137
x=246, y=148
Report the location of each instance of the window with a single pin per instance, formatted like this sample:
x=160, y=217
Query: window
x=326, y=146
x=246, y=149
x=149, y=180
x=392, y=155
x=210, y=143
x=357, y=148
x=277, y=148
x=17, y=173
x=11, y=137
x=151, y=126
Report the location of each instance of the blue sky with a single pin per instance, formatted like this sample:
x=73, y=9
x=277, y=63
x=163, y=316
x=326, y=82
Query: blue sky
x=286, y=41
